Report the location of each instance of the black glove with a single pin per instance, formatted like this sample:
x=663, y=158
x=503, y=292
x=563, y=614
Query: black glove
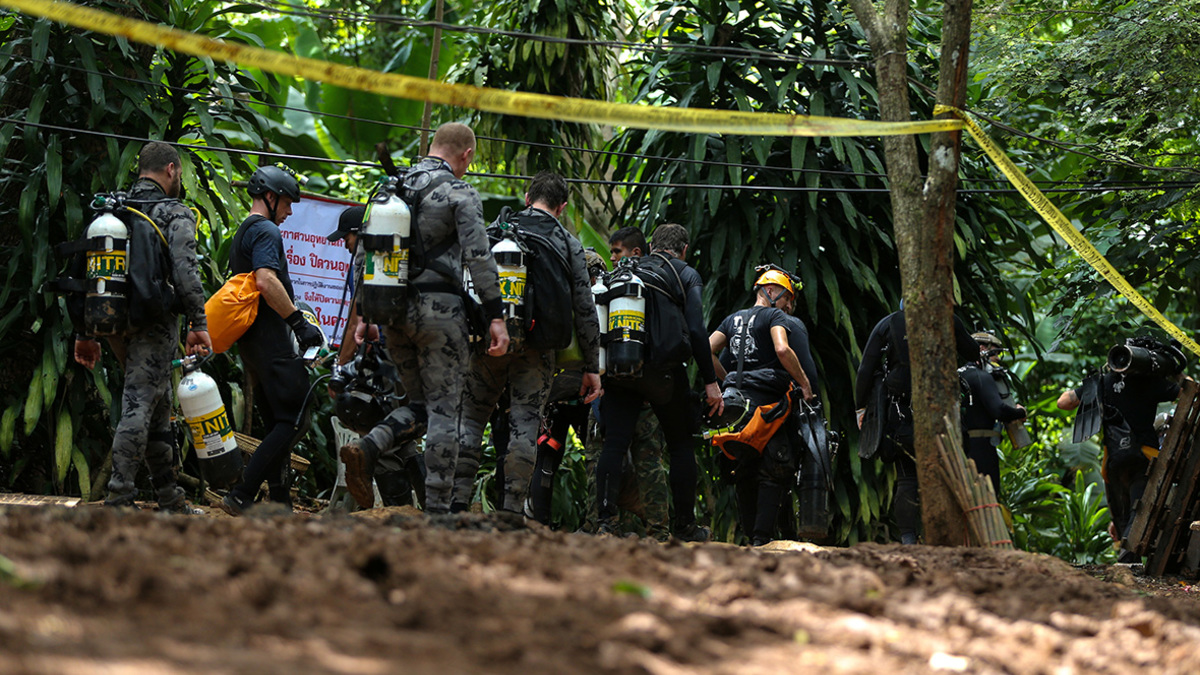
x=307, y=334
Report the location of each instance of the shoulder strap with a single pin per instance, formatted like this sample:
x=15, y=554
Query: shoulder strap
x=424, y=257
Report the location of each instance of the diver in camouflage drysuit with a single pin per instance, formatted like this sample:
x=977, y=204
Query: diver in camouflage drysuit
x=645, y=491
x=528, y=371
x=144, y=430
x=428, y=344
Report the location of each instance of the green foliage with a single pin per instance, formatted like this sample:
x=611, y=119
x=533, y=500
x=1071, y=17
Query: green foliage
x=47, y=176
x=825, y=223
x=1090, y=114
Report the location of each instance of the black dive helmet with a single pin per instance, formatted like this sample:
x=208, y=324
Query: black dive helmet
x=276, y=178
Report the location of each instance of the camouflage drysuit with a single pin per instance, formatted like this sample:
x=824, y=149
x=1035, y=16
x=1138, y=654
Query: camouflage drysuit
x=528, y=372
x=645, y=492
x=429, y=343
x=144, y=430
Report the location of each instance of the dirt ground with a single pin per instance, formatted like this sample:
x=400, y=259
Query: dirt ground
x=95, y=591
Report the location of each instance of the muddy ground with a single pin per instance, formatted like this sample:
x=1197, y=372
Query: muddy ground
x=95, y=591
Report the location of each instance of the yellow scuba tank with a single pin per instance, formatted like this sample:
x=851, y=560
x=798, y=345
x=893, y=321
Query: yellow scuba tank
x=106, y=308
x=626, y=335
x=386, y=240
x=212, y=435
x=510, y=264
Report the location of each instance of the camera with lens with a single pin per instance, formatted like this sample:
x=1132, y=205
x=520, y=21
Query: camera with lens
x=1146, y=356
x=364, y=390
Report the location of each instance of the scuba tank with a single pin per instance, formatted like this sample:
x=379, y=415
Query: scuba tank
x=105, y=308
x=510, y=264
x=626, y=335
x=212, y=435
x=599, y=291
x=386, y=239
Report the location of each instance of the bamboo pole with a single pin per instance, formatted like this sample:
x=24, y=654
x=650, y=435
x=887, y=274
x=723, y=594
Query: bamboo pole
x=974, y=493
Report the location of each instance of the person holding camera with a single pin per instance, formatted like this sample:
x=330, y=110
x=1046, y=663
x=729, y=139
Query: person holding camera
x=984, y=408
x=1141, y=373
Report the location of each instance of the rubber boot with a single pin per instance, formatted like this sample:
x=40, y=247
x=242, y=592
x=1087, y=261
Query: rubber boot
x=394, y=488
x=359, y=457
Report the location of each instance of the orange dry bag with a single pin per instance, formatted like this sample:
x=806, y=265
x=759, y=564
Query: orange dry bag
x=232, y=310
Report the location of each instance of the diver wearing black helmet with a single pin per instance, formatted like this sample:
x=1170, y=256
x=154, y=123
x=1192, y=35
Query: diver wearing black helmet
x=759, y=367
x=267, y=349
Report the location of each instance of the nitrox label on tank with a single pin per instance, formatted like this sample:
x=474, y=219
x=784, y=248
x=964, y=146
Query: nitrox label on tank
x=384, y=265
x=105, y=264
x=512, y=288
x=210, y=433
x=626, y=320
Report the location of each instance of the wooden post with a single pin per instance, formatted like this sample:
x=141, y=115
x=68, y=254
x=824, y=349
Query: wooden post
x=433, y=72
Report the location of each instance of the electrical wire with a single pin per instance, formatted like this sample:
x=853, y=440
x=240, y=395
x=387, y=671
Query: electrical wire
x=411, y=127
x=583, y=181
x=349, y=16
x=1091, y=185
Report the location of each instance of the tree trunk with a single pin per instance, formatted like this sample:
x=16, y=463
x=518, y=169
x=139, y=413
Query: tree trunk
x=923, y=220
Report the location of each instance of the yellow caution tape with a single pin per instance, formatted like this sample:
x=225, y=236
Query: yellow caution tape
x=1065, y=229
x=480, y=98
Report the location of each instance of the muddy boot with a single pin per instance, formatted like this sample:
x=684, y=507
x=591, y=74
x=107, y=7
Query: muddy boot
x=607, y=527
x=173, y=500
x=394, y=488
x=686, y=529
x=234, y=505
x=121, y=501
x=359, y=457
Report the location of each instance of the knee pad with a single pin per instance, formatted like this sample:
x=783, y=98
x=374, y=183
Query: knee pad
x=407, y=423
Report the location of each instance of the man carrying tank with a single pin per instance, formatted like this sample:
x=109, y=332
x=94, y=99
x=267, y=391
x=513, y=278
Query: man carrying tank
x=666, y=387
x=886, y=356
x=396, y=474
x=757, y=359
x=267, y=349
x=144, y=429
x=1129, y=402
x=645, y=492
x=428, y=342
x=525, y=370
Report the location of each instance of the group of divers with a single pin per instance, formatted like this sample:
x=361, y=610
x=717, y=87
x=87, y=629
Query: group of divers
x=458, y=326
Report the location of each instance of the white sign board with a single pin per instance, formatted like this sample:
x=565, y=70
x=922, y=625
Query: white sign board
x=317, y=266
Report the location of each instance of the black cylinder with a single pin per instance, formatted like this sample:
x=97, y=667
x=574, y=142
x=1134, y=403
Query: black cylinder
x=625, y=357
x=223, y=470
x=1139, y=361
x=384, y=304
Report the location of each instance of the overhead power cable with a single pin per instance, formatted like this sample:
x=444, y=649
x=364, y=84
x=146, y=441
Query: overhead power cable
x=350, y=16
x=754, y=168
x=583, y=181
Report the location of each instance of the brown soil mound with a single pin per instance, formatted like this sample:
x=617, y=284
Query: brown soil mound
x=394, y=591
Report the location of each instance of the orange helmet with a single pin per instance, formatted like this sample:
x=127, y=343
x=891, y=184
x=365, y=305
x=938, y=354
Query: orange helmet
x=778, y=278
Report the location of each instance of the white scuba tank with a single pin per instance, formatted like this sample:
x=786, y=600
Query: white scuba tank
x=212, y=435
x=510, y=265
x=598, y=292
x=106, y=307
x=386, y=241
x=627, y=325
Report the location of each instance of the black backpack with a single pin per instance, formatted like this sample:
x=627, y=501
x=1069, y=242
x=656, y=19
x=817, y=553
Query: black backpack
x=148, y=288
x=548, y=318
x=668, y=342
